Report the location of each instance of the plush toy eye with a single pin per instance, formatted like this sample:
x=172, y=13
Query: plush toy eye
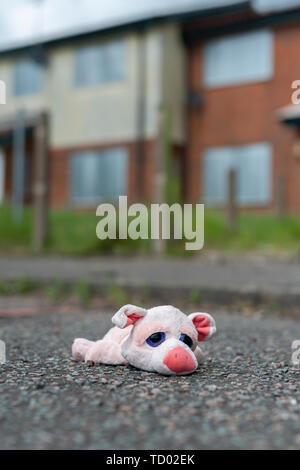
x=186, y=339
x=156, y=339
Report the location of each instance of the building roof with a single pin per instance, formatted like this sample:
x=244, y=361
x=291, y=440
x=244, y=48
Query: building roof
x=66, y=23
x=126, y=17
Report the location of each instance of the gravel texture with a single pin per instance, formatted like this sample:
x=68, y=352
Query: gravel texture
x=246, y=395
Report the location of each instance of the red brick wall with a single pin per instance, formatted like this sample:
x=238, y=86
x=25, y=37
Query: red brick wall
x=244, y=114
x=59, y=186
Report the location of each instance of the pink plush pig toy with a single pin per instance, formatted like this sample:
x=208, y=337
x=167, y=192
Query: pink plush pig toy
x=161, y=339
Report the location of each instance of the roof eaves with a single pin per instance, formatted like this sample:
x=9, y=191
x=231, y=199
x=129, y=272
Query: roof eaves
x=125, y=26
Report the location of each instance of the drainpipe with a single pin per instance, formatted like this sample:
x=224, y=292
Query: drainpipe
x=41, y=178
x=141, y=115
x=18, y=166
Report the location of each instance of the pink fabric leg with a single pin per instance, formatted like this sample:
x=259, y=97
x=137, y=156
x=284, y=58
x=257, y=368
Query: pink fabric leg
x=105, y=352
x=80, y=347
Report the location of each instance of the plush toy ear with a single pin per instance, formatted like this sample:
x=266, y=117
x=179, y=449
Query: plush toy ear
x=204, y=324
x=128, y=315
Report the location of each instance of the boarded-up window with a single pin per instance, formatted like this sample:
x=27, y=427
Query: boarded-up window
x=253, y=164
x=28, y=77
x=100, y=63
x=237, y=59
x=98, y=176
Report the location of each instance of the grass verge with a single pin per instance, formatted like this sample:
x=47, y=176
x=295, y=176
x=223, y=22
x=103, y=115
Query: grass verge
x=74, y=233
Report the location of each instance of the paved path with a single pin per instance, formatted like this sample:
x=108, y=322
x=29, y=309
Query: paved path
x=246, y=395
x=252, y=277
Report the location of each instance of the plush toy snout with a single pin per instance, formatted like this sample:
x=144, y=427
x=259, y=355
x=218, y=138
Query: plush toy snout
x=179, y=360
x=172, y=357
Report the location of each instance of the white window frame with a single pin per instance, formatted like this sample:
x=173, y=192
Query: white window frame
x=237, y=71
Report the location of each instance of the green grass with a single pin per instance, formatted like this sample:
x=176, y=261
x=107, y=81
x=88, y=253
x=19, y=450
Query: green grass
x=55, y=290
x=83, y=290
x=194, y=297
x=256, y=232
x=117, y=295
x=74, y=233
x=23, y=285
x=13, y=236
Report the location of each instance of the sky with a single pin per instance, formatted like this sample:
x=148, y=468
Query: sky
x=23, y=20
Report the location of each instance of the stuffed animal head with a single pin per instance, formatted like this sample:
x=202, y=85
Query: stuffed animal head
x=163, y=339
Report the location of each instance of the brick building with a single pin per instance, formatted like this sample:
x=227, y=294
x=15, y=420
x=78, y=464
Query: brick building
x=241, y=65
x=223, y=72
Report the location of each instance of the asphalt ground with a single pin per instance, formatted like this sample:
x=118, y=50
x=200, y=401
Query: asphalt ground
x=220, y=279
x=245, y=396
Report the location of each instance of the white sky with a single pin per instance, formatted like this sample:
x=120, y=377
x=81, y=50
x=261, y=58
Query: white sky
x=21, y=20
